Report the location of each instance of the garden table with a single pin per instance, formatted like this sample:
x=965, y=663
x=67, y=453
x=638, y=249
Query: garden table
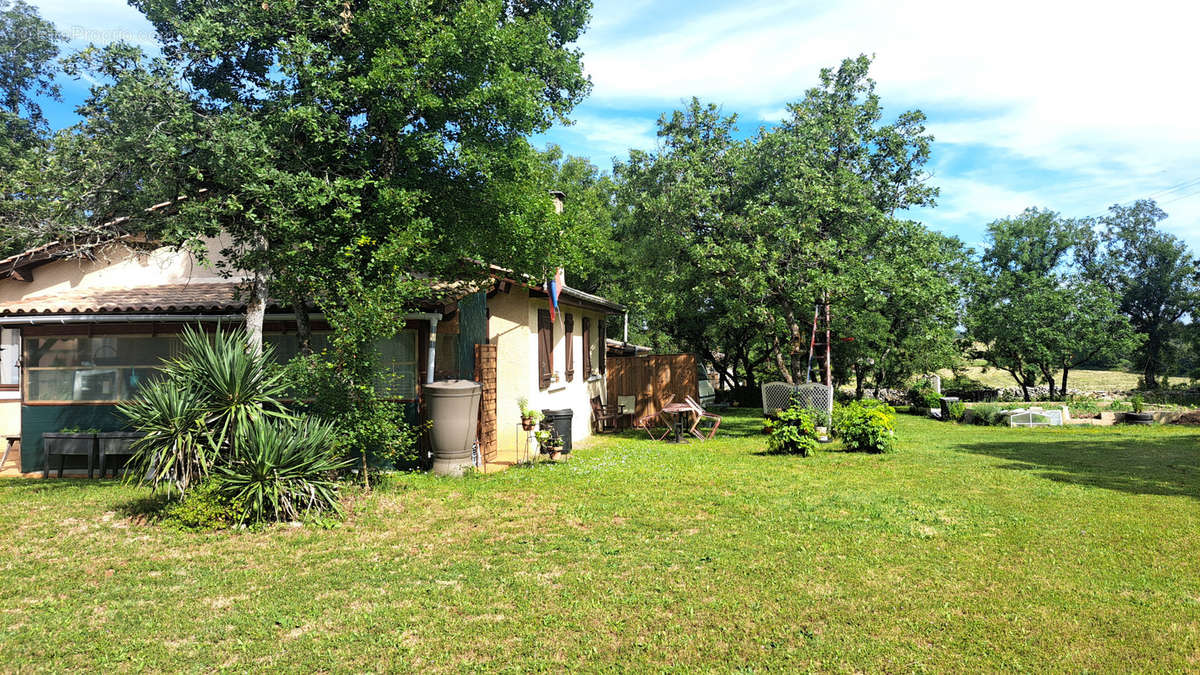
x=679, y=411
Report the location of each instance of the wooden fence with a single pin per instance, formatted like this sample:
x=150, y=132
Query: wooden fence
x=485, y=373
x=652, y=380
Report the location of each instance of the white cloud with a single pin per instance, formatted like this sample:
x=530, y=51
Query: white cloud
x=1100, y=91
x=614, y=136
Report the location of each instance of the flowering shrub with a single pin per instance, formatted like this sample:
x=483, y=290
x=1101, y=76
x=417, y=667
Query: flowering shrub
x=867, y=426
x=794, y=432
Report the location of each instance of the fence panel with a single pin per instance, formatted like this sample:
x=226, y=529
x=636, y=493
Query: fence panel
x=653, y=380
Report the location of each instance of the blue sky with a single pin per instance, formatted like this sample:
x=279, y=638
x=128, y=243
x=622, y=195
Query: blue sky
x=1067, y=105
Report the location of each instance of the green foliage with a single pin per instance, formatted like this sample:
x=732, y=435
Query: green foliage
x=923, y=395
x=283, y=470
x=28, y=66
x=175, y=451
x=1117, y=406
x=868, y=427
x=1033, y=310
x=1086, y=406
x=215, y=419
x=1138, y=403
x=729, y=242
x=1156, y=277
x=794, y=432
x=531, y=414
x=339, y=384
x=205, y=507
x=957, y=410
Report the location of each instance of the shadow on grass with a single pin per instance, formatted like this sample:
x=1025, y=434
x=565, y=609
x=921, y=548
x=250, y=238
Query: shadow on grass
x=1148, y=466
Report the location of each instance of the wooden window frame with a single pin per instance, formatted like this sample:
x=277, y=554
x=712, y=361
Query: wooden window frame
x=587, y=346
x=545, y=340
x=603, y=346
x=569, y=335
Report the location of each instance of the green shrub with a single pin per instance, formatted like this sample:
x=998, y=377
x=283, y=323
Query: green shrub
x=957, y=411
x=377, y=431
x=1083, y=406
x=1138, y=402
x=868, y=427
x=794, y=432
x=923, y=395
x=1116, y=406
x=991, y=414
x=283, y=471
x=204, y=508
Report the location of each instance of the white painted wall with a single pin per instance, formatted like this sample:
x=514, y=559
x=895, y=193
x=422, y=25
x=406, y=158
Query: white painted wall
x=513, y=329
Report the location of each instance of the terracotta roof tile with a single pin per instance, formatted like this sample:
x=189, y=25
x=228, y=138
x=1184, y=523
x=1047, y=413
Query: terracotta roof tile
x=196, y=297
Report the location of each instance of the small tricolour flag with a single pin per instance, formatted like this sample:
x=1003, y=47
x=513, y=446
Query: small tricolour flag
x=554, y=288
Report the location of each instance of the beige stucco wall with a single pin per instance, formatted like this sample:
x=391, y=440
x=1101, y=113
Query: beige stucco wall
x=513, y=329
x=10, y=418
x=116, y=266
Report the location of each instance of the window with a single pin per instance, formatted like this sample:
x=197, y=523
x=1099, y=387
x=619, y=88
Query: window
x=93, y=369
x=446, y=361
x=587, y=347
x=10, y=356
x=569, y=328
x=287, y=346
x=398, y=363
x=545, y=349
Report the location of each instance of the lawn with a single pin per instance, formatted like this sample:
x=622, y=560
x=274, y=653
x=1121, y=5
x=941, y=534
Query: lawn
x=968, y=549
x=1081, y=379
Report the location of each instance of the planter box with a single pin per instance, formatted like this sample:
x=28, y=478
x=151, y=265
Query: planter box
x=62, y=444
x=115, y=444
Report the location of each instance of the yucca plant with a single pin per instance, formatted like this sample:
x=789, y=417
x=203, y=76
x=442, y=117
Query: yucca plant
x=175, y=452
x=234, y=385
x=283, y=469
x=215, y=387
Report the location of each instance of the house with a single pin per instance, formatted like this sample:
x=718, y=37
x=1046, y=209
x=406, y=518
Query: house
x=79, y=336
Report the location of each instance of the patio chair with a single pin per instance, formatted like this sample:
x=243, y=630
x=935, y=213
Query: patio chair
x=605, y=416
x=628, y=406
x=701, y=415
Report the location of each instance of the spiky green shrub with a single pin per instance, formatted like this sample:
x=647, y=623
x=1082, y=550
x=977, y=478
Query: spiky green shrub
x=176, y=452
x=283, y=470
x=216, y=418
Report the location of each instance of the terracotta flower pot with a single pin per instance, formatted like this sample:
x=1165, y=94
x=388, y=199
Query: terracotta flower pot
x=527, y=423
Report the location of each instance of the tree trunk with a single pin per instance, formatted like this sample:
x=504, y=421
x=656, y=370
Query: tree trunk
x=1049, y=381
x=781, y=363
x=1066, y=369
x=1150, y=372
x=303, y=325
x=859, y=371
x=256, y=311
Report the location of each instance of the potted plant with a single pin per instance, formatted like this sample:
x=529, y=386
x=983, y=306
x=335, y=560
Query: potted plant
x=549, y=443
x=1139, y=414
x=529, y=417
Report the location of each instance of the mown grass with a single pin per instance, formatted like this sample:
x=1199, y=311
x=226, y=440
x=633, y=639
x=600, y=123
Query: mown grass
x=969, y=549
x=1081, y=379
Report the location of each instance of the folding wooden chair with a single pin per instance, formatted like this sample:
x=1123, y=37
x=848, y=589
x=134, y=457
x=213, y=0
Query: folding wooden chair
x=650, y=423
x=701, y=415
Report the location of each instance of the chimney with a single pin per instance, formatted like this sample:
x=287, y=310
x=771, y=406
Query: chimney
x=560, y=199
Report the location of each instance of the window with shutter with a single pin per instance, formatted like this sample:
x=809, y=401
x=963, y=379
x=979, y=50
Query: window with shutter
x=569, y=333
x=603, y=346
x=545, y=348
x=587, y=347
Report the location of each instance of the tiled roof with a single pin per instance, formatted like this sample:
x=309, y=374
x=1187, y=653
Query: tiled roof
x=195, y=297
